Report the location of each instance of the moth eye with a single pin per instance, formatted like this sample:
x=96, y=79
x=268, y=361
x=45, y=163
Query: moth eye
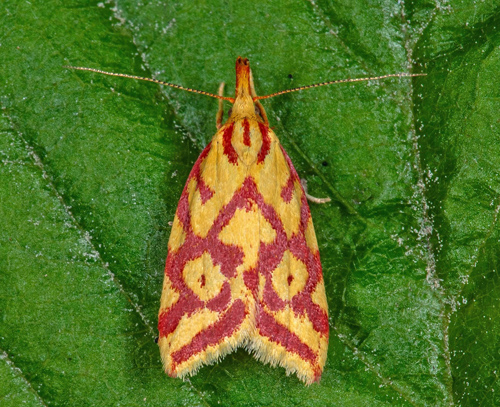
x=257, y=111
x=230, y=112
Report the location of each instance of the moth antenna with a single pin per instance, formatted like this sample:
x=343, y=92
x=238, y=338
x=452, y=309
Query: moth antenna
x=317, y=85
x=141, y=78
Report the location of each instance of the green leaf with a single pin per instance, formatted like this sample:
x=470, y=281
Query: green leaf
x=92, y=168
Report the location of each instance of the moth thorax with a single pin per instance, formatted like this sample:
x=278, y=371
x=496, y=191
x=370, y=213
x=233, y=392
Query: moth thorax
x=243, y=107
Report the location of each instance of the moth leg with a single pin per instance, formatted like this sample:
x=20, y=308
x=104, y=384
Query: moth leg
x=311, y=198
x=257, y=103
x=220, y=112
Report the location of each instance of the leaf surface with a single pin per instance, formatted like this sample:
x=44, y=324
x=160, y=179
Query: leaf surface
x=92, y=168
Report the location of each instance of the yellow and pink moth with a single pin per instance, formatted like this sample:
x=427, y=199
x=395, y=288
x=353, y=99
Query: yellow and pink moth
x=243, y=266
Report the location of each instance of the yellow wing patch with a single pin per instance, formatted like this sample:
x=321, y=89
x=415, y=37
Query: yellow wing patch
x=203, y=277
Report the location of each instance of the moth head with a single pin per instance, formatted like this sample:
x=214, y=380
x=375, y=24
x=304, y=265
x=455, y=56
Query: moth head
x=245, y=104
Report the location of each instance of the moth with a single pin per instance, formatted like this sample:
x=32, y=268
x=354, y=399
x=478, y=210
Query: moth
x=243, y=266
